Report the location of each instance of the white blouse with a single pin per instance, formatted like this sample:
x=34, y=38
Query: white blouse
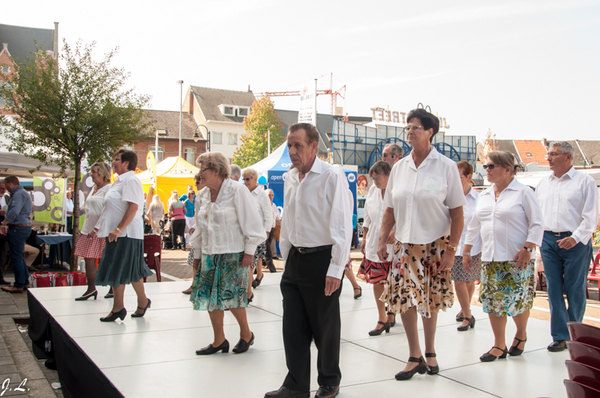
x=263, y=205
x=127, y=189
x=231, y=224
x=468, y=213
x=374, y=210
x=506, y=224
x=422, y=197
x=93, y=208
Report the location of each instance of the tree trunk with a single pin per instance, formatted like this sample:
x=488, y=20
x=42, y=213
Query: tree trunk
x=75, y=213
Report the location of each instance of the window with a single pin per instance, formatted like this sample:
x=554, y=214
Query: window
x=190, y=155
x=162, y=132
x=159, y=155
x=5, y=69
x=217, y=138
x=528, y=154
x=232, y=139
x=228, y=110
x=127, y=147
x=243, y=111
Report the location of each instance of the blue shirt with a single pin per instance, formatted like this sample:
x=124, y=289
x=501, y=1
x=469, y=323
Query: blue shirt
x=19, y=207
x=189, y=205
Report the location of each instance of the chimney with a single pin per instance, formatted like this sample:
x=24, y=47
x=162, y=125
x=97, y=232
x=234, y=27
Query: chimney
x=5, y=47
x=249, y=89
x=55, y=49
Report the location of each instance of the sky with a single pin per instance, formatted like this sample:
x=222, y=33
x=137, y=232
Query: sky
x=525, y=69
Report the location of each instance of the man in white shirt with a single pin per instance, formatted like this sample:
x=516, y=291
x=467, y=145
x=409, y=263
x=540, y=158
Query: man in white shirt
x=236, y=172
x=569, y=202
x=392, y=153
x=314, y=242
x=271, y=242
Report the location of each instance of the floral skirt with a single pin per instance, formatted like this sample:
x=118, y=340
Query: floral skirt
x=460, y=274
x=375, y=273
x=414, y=280
x=221, y=283
x=261, y=252
x=506, y=290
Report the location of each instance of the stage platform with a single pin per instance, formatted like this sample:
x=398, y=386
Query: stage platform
x=155, y=356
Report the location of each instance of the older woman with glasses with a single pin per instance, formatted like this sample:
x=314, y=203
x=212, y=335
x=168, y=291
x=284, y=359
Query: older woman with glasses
x=89, y=246
x=122, y=225
x=230, y=230
x=262, y=203
x=424, y=199
x=509, y=219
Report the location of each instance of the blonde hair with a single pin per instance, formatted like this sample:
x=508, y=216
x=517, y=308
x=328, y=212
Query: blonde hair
x=505, y=159
x=215, y=161
x=250, y=173
x=103, y=169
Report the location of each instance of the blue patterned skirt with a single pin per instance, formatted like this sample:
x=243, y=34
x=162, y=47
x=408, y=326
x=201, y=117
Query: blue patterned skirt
x=506, y=290
x=221, y=283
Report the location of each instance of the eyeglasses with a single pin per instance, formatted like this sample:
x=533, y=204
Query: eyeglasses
x=553, y=154
x=376, y=177
x=203, y=170
x=198, y=182
x=247, y=178
x=412, y=127
x=116, y=160
x=489, y=166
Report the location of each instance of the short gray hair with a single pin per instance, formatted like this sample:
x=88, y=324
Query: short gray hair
x=215, y=161
x=236, y=171
x=564, y=146
x=395, y=149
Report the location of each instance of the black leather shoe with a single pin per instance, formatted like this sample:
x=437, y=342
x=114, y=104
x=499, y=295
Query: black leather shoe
x=421, y=368
x=243, y=345
x=3, y=282
x=87, y=296
x=327, y=391
x=487, y=357
x=138, y=315
x=515, y=350
x=471, y=324
x=384, y=328
x=432, y=370
x=285, y=392
x=558, y=346
x=256, y=282
x=109, y=295
x=114, y=315
x=209, y=349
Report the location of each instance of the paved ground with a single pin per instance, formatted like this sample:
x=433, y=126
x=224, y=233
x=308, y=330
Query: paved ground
x=20, y=368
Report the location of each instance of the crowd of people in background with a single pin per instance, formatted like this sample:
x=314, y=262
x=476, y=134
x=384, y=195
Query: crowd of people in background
x=428, y=237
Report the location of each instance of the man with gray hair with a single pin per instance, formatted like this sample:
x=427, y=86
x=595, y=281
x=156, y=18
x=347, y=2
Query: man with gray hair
x=392, y=153
x=569, y=202
x=236, y=172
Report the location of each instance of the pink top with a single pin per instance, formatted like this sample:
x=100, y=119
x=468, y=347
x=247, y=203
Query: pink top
x=178, y=213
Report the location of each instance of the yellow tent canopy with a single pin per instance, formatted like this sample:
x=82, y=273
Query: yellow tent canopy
x=173, y=173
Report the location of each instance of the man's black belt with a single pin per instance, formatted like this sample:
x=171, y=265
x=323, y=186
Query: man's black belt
x=559, y=233
x=309, y=250
x=18, y=225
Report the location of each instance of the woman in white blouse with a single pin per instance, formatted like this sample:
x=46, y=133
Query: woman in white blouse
x=424, y=199
x=465, y=278
x=230, y=230
x=90, y=247
x=263, y=206
x=122, y=225
x=374, y=270
x=509, y=219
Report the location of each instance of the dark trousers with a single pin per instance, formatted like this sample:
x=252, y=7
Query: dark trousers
x=3, y=255
x=310, y=315
x=269, y=254
x=16, y=238
x=177, y=229
x=566, y=272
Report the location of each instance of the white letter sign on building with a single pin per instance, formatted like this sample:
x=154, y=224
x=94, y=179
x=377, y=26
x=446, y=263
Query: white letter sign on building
x=308, y=110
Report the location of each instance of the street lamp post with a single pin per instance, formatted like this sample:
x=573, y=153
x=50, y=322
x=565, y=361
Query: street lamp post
x=197, y=136
x=180, y=82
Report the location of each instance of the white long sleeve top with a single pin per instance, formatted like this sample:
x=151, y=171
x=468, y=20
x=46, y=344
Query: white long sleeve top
x=93, y=208
x=468, y=213
x=231, y=223
x=422, y=197
x=373, y=219
x=263, y=205
x=507, y=223
x=569, y=204
x=127, y=189
x=317, y=213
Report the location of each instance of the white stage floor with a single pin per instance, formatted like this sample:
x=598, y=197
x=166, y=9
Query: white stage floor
x=155, y=356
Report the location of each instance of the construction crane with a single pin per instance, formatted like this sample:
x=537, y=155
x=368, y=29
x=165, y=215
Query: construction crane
x=341, y=92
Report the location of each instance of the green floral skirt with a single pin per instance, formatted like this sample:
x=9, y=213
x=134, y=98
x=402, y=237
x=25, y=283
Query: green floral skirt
x=220, y=283
x=506, y=290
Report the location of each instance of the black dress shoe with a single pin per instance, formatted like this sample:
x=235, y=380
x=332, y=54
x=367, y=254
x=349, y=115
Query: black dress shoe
x=87, y=296
x=432, y=370
x=3, y=282
x=515, y=350
x=471, y=324
x=327, y=391
x=109, y=295
x=137, y=314
x=487, y=357
x=285, y=392
x=114, y=315
x=421, y=368
x=209, y=349
x=243, y=345
x=558, y=346
x=385, y=327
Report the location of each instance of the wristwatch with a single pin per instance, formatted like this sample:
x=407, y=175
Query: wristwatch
x=528, y=249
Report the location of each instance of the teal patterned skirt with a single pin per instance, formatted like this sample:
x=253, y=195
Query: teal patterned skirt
x=506, y=290
x=220, y=283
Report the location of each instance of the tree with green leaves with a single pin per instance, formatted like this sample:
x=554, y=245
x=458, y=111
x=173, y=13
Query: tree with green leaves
x=262, y=121
x=72, y=109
